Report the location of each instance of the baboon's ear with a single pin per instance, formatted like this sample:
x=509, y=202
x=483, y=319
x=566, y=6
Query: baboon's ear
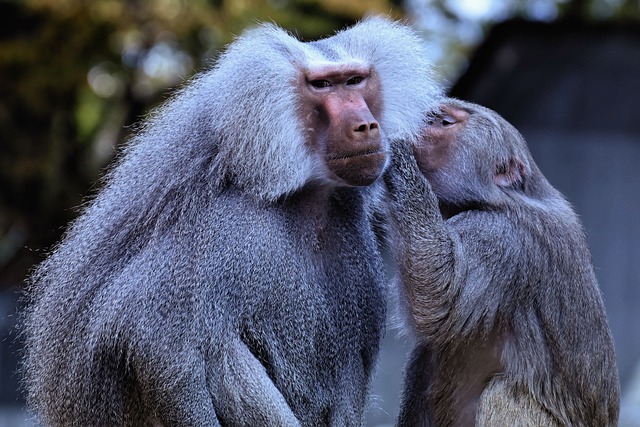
x=511, y=174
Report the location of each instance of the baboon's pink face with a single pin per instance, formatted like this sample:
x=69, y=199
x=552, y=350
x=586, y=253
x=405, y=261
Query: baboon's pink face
x=340, y=106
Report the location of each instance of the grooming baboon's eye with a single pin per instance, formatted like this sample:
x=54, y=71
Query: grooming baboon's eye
x=440, y=119
x=355, y=80
x=447, y=120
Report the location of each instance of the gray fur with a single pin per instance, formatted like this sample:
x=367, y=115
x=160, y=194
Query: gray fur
x=501, y=296
x=219, y=278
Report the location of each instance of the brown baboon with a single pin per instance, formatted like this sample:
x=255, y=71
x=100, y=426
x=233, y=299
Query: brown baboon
x=497, y=282
x=228, y=273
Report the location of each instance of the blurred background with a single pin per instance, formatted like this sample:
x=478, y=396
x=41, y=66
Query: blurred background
x=77, y=75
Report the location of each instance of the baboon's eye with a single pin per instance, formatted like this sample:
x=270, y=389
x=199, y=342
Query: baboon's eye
x=319, y=84
x=447, y=120
x=355, y=80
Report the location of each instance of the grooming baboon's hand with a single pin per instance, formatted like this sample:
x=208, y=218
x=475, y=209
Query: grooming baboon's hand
x=406, y=184
x=402, y=170
x=409, y=194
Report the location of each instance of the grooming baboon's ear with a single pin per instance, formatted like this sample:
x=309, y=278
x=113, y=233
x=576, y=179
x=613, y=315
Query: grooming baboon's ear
x=511, y=174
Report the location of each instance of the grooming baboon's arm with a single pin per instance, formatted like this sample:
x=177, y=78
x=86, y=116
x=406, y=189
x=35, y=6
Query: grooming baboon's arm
x=434, y=263
x=427, y=254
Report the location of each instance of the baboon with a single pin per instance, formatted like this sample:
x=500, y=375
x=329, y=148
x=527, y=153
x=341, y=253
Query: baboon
x=227, y=273
x=497, y=284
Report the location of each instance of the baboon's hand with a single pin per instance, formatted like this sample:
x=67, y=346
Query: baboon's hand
x=402, y=171
x=404, y=180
